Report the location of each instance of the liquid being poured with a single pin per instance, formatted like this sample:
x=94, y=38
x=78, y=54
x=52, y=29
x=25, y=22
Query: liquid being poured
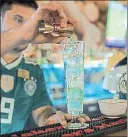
x=72, y=39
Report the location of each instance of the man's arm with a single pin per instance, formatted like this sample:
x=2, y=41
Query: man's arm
x=48, y=115
x=73, y=12
x=41, y=114
x=83, y=25
x=29, y=32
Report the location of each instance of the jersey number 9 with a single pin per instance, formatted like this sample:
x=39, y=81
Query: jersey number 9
x=7, y=107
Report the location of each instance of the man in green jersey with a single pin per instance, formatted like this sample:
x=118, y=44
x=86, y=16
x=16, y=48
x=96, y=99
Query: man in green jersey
x=23, y=91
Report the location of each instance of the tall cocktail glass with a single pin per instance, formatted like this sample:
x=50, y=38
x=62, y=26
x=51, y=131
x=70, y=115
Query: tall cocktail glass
x=73, y=56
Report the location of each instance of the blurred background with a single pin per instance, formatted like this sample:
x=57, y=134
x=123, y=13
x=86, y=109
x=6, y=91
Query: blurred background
x=102, y=25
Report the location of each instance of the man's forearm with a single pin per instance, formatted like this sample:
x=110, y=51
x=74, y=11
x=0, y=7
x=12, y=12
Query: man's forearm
x=11, y=39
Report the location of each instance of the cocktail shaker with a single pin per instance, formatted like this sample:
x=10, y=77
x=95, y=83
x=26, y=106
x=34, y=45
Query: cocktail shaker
x=45, y=28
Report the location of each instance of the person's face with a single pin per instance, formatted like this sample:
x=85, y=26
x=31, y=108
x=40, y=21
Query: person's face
x=16, y=17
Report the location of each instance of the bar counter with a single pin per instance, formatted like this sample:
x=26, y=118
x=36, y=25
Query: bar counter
x=99, y=126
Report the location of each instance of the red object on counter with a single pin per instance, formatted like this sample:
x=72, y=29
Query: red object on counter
x=27, y=135
x=68, y=135
x=77, y=133
x=121, y=121
x=50, y=129
x=14, y=135
x=106, y=125
x=100, y=127
x=37, y=132
x=59, y=127
x=74, y=134
x=88, y=130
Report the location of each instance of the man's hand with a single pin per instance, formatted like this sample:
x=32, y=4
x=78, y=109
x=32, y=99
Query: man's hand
x=47, y=115
x=62, y=118
x=29, y=31
x=50, y=13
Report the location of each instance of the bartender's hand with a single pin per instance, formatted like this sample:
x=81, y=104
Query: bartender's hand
x=62, y=118
x=50, y=13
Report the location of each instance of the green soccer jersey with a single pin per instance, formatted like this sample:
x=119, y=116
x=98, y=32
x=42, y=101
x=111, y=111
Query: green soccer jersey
x=22, y=91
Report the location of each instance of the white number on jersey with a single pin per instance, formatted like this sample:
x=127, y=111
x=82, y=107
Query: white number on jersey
x=7, y=111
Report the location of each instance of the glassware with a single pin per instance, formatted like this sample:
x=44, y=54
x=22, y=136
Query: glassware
x=73, y=55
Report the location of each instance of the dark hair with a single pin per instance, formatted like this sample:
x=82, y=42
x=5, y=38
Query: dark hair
x=29, y=3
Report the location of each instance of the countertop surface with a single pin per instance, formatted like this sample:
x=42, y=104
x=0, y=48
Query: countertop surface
x=122, y=133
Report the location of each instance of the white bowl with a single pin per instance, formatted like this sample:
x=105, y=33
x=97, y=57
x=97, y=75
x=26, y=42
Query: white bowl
x=113, y=107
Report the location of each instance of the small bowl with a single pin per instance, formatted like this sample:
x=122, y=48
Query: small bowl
x=113, y=107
